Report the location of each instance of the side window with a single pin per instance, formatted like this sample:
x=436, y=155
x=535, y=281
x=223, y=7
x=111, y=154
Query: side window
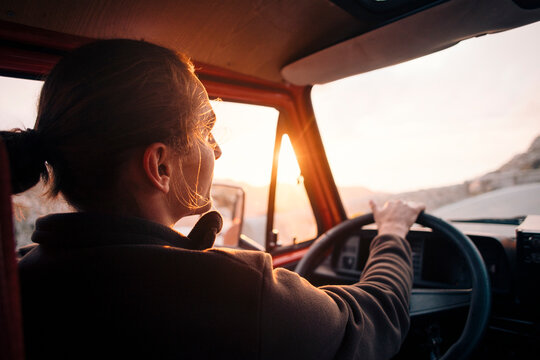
x=293, y=216
x=246, y=135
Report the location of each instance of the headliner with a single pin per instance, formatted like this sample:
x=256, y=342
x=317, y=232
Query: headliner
x=256, y=38
x=251, y=37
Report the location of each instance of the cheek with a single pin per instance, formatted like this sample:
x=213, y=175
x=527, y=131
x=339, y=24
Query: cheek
x=199, y=169
x=207, y=165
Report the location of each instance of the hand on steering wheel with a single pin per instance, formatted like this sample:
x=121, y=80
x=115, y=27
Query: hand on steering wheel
x=395, y=217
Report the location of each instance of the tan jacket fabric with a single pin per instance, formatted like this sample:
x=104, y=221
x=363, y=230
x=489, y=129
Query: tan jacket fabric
x=108, y=287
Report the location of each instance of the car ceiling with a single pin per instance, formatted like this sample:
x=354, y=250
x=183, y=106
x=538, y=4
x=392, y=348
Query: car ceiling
x=260, y=38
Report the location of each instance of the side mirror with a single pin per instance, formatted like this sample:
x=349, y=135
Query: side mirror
x=229, y=200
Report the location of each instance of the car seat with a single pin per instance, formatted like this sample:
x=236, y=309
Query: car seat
x=11, y=336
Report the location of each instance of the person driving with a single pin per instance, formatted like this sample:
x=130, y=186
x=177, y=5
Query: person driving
x=124, y=133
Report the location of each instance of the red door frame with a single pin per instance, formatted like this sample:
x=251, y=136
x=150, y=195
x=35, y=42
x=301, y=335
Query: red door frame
x=32, y=52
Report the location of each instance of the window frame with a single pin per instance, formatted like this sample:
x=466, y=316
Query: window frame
x=283, y=100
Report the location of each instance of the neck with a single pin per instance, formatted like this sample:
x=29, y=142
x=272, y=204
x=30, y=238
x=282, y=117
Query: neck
x=151, y=208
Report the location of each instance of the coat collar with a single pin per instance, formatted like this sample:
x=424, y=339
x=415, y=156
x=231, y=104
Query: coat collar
x=83, y=229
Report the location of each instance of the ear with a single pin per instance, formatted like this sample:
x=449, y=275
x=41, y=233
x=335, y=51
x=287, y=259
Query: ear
x=157, y=166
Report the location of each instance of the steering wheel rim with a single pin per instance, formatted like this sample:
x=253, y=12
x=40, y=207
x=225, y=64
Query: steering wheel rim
x=480, y=299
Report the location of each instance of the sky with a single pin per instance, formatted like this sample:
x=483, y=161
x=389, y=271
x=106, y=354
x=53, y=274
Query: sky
x=437, y=120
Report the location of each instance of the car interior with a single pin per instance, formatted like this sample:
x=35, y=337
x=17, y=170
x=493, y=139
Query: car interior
x=476, y=283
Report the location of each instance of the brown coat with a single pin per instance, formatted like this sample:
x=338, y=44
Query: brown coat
x=109, y=287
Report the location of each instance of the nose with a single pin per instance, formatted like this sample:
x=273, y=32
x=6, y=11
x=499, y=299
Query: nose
x=217, y=151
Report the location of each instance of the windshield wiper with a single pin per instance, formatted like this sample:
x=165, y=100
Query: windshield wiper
x=504, y=221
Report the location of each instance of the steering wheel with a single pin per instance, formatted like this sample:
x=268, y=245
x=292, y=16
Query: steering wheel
x=426, y=301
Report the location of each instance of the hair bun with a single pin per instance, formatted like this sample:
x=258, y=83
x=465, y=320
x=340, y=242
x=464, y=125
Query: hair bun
x=26, y=158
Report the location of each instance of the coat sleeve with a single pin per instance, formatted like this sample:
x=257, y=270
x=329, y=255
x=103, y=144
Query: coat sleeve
x=366, y=320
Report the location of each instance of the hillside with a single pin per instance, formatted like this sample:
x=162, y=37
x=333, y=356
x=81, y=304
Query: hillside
x=529, y=160
x=521, y=169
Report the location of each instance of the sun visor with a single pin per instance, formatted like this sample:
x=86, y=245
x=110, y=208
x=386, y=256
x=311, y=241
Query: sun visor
x=420, y=34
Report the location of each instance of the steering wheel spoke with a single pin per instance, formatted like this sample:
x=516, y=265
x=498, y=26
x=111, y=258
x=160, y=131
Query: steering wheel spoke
x=429, y=301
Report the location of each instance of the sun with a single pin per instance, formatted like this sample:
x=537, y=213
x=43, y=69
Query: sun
x=288, y=170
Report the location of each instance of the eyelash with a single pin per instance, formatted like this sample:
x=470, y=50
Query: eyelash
x=210, y=140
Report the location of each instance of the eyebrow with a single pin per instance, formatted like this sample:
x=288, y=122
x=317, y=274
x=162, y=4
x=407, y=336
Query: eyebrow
x=208, y=120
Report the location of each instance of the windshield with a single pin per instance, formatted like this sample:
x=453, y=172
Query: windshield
x=459, y=124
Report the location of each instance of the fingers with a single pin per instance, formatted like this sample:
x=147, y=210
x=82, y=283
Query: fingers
x=404, y=204
x=373, y=206
x=396, y=216
x=416, y=206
